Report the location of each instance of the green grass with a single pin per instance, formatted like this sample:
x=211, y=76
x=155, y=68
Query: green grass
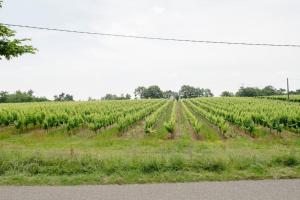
x=57, y=158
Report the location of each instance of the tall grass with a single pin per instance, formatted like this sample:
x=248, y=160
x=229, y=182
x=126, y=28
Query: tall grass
x=32, y=165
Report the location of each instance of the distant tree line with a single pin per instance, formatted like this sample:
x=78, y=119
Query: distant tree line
x=63, y=97
x=255, y=91
x=22, y=97
x=115, y=97
x=151, y=92
x=19, y=97
x=295, y=92
x=186, y=91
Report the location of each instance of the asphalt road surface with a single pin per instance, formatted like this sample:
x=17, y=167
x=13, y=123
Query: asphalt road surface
x=239, y=190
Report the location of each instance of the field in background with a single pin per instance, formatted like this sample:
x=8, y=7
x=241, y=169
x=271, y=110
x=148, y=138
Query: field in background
x=141, y=141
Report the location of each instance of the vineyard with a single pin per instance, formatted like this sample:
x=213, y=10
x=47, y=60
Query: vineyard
x=246, y=114
x=293, y=98
x=132, y=141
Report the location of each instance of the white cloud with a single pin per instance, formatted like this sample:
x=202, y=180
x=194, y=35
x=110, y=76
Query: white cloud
x=158, y=10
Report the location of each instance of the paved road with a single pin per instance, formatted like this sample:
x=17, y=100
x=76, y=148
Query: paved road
x=240, y=190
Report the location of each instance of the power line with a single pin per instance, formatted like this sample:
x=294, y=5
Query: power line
x=154, y=38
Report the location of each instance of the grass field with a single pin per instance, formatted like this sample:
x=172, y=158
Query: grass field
x=59, y=157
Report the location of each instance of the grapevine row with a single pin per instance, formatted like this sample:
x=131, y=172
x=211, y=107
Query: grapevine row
x=170, y=125
x=94, y=115
x=152, y=119
x=125, y=122
x=192, y=119
x=246, y=112
x=218, y=121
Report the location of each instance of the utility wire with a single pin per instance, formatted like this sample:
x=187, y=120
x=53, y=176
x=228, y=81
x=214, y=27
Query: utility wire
x=154, y=38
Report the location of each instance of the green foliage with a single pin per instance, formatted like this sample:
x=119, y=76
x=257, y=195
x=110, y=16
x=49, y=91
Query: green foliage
x=56, y=158
x=72, y=115
x=219, y=121
x=139, y=92
x=152, y=92
x=63, y=97
x=254, y=92
x=10, y=46
x=187, y=91
x=20, y=97
x=169, y=94
x=209, y=165
x=170, y=125
x=125, y=122
x=247, y=113
x=227, y=94
x=115, y=97
x=152, y=119
x=197, y=126
x=287, y=160
x=293, y=98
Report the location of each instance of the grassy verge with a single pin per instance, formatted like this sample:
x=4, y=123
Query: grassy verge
x=58, y=170
x=57, y=158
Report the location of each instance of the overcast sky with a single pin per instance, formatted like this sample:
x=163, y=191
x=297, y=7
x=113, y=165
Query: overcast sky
x=85, y=65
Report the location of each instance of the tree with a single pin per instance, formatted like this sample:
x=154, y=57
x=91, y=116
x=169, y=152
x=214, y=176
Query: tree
x=268, y=91
x=227, y=94
x=69, y=97
x=199, y=92
x=139, y=92
x=11, y=47
x=281, y=91
x=3, y=96
x=116, y=97
x=91, y=99
x=248, y=92
x=153, y=92
x=169, y=94
x=127, y=96
x=63, y=97
x=208, y=93
x=254, y=91
x=109, y=97
x=187, y=91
